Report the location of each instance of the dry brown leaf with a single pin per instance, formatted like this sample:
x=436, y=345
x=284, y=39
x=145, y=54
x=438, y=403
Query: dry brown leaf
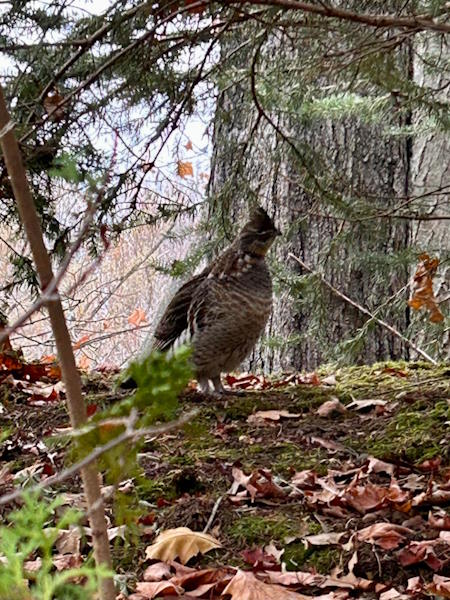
x=180, y=542
x=156, y=572
x=423, y=295
x=152, y=589
x=385, y=535
x=185, y=169
x=66, y=561
x=324, y=539
x=69, y=541
x=331, y=407
x=51, y=101
x=440, y=586
x=245, y=586
x=272, y=415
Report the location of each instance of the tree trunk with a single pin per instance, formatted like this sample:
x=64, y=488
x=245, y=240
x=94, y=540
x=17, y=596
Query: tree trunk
x=430, y=181
x=344, y=162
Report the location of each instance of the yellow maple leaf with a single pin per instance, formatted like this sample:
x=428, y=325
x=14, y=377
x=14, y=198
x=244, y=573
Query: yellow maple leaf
x=180, y=542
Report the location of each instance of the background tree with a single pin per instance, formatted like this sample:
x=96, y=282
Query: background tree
x=319, y=110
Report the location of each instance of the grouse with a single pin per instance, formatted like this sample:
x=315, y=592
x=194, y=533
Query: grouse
x=226, y=306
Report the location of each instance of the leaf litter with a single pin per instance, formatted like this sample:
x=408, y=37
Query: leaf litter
x=303, y=511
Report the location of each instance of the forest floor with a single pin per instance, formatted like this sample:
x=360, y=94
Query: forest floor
x=331, y=485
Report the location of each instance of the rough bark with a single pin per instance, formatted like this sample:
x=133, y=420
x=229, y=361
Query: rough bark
x=430, y=181
x=359, y=161
x=71, y=377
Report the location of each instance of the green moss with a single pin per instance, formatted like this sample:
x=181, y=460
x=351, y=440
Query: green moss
x=414, y=433
x=299, y=557
x=288, y=456
x=257, y=530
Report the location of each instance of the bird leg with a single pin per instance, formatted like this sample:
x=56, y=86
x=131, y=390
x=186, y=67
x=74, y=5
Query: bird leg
x=219, y=389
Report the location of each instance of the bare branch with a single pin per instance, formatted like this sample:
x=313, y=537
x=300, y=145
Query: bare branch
x=365, y=311
x=130, y=434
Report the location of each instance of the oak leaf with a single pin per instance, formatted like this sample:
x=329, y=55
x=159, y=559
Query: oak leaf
x=422, y=288
x=180, y=542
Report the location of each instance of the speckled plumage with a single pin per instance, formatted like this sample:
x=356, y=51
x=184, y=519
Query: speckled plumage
x=226, y=306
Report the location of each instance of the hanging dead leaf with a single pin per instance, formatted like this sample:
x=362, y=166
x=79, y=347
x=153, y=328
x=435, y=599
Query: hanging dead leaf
x=181, y=542
x=188, y=146
x=52, y=108
x=422, y=288
x=185, y=169
x=137, y=317
x=81, y=341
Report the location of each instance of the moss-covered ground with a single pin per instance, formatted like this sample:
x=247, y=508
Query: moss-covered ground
x=187, y=474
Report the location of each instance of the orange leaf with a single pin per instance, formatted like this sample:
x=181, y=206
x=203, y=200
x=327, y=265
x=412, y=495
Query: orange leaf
x=185, y=169
x=189, y=145
x=81, y=341
x=137, y=317
x=55, y=112
x=423, y=295
x=84, y=363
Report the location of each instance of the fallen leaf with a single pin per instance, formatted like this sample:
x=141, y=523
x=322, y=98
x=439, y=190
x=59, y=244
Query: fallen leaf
x=324, y=539
x=331, y=407
x=440, y=586
x=181, y=542
x=272, y=415
x=329, y=380
x=153, y=589
x=260, y=560
x=364, y=404
x=258, y=484
x=61, y=562
x=417, y=552
x=245, y=586
x=68, y=541
x=385, y=535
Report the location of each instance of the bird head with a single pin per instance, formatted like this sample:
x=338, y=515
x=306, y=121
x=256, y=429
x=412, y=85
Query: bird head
x=258, y=233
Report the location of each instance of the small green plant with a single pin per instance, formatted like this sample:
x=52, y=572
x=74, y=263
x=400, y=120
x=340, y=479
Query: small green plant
x=29, y=535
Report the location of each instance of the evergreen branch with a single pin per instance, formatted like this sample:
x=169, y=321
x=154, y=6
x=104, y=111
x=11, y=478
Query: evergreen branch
x=363, y=310
x=414, y=22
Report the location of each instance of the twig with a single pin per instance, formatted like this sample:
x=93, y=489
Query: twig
x=365, y=311
x=129, y=434
x=413, y=22
x=213, y=514
x=75, y=402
